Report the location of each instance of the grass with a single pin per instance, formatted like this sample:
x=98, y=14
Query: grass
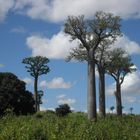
x=76, y=126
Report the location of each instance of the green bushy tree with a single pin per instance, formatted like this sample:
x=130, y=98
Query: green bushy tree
x=13, y=95
x=63, y=110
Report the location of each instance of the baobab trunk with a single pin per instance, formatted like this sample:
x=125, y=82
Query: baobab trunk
x=118, y=98
x=36, y=94
x=92, y=113
x=101, y=92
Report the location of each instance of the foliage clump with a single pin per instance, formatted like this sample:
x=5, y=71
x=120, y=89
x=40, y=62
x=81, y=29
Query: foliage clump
x=14, y=96
x=63, y=110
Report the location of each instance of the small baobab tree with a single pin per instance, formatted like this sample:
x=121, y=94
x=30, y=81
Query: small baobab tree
x=36, y=66
x=118, y=67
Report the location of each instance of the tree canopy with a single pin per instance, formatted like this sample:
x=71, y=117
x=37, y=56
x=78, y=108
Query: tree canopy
x=13, y=95
x=37, y=65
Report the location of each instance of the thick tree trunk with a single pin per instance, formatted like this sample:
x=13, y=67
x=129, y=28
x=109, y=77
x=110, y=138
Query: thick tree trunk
x=92, y=113
x=118, y=98
x=36, y=93
x=102, y=112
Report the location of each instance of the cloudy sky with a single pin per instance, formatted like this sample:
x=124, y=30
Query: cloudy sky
x=35, y=27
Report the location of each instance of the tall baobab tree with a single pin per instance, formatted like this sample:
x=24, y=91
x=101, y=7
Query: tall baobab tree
x=90, y=34
x=102, y=56
x=36, y=66
x=118, y=67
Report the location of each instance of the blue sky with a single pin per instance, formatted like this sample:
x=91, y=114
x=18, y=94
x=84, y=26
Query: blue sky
x=30, y=27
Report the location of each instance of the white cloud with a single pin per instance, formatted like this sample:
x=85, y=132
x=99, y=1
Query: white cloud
x=1, y=65
x=18, y=29
x=129, y=99
x=130, y=46
x=44, y=101
x=42, y=108
x=58, y=10
x=130, y=85
x=50, y=108
x=56, y=83
x=66, y=101
x=110, y=89
x=27, y=80
x=96, y=72
x=20, y=4
x=57, y=47
x=59, y=83
x=139, y=101
x=43, y=84
x=62, y=96
x=62, y=99
x=5, y=7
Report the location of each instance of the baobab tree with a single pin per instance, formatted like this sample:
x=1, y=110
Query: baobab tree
x=90, y=34
x=102, y=56
x=36, y=66
x=118, y=67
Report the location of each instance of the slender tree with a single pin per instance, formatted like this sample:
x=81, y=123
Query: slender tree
x=118, y=67
x=131, y=109
x=36, y=66
x=102, y=57
x=90, y=34
x=112, y=108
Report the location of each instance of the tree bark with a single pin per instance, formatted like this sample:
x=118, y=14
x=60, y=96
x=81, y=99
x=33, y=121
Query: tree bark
x=118, y=98
x=102, y=111
x=92, y=113
x=36, y=93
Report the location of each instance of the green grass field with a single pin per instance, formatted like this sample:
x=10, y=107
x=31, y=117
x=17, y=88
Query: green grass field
x=76, y=126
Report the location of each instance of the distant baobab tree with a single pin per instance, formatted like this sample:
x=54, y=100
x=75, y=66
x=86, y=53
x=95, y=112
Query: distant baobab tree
x=118, y=67
x=36, y=66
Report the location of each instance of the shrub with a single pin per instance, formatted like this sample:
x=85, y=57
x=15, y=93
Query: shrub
x=63, y=110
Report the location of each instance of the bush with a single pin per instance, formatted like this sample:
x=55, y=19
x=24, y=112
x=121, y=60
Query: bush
x=63, y=110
